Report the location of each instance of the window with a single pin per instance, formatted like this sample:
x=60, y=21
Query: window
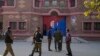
x=96, y=25
x=13, y=25
x=8, y=2
x=1, y=3
x=1, y=25
x=47, y=3
x=22, y=25
x=54, y=3
x=72, y=3
x=36, y=3
x=62, y=3
x=87, y=25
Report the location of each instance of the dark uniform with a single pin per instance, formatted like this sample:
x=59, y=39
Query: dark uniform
x=68, y=41
x=58, y=40
x=49, y=39
x=8, y=41
x=36, y=49
x=38, y=42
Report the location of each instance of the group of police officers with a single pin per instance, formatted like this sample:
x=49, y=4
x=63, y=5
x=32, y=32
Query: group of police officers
x=37, y=40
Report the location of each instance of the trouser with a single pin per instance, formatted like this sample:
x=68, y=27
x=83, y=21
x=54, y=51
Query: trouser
x=69, y=49
x=56, y=45
x=60, y=46
x=36, y=50
x=49, y=44
x=37, y=46
x=8, y=49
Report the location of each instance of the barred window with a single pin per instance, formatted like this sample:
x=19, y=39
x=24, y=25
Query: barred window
x=87, y=25
x=72, y=3
x=7, y=2
x=96, y=25
x=22, y=25
x=10, y=2
x=54, y=2
x=62, y=3
x=1, y=3
x=37, y=3
x=13, y=25
x=47, y=3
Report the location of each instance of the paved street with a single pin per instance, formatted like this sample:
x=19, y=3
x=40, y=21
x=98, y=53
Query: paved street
x=24, y=48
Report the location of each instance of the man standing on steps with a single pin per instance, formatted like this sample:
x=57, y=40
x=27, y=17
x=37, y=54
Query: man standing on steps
x=9, y=41
x=38, y=41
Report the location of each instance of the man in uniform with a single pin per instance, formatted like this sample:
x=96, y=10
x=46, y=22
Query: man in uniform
x=49, y=38
x=9, y=41
x=38, y=41
x=58, y=40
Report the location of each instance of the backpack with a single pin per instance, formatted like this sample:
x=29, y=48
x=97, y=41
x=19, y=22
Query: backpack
x=38, y=37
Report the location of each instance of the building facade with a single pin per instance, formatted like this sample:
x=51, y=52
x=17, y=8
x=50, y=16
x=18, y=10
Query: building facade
x=25, y=15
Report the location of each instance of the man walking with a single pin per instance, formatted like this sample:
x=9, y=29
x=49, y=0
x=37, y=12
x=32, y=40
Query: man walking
x=38, y=41
x=8, y=41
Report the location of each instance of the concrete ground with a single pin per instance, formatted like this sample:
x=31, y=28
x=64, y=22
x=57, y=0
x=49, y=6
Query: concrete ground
x=24, y=48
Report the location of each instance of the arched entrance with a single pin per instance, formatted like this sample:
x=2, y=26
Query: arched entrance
x=54, y=21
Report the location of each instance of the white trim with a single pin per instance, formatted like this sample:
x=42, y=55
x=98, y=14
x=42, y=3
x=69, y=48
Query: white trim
x=43, y=13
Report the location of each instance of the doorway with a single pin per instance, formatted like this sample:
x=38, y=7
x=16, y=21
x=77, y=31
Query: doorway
x=54, y=22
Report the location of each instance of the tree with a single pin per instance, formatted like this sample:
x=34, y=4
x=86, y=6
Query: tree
x=92, y=6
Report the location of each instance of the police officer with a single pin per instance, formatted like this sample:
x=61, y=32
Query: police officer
x=49, y=38
x=9, y=41
x=58, y=40
x=38, y=41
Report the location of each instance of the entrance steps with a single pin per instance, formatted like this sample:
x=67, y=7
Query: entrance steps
x=74, y=40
